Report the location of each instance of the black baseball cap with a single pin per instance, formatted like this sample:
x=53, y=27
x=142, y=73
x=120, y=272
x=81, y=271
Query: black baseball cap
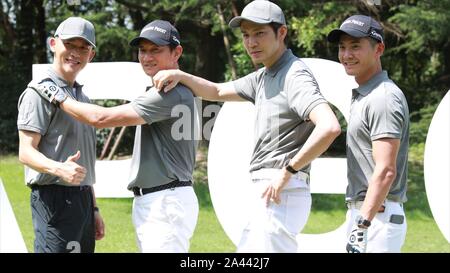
x=358, y=26
x=159, y=32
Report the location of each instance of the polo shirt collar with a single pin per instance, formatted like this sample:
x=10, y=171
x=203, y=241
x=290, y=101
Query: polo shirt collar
x=284, y=59
x=365, y=89
x=60, y=81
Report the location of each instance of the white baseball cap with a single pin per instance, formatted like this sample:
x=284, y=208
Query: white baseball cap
x=76, y=27
x=260, y=12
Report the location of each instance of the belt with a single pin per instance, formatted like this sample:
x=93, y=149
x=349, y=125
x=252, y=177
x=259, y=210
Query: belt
x=358, y=204
x=174, y=184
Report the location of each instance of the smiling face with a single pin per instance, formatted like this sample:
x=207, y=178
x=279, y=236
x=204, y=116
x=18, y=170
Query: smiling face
x=263, y=45
x=154, y=58
x=360, y=57
x=70, y=56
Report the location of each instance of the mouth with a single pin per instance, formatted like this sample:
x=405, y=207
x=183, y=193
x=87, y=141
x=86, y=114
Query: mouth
x=350, y=64
x=72, y=61
x=255, y=53
x=149, y=65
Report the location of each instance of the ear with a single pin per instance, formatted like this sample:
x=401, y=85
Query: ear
x=177, y=53
x=380, y=49
x=52, y=44
x=282, y=32
x=92, y=55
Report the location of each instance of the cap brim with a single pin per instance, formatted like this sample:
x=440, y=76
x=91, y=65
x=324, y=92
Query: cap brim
x=67, y=37
x=335, y=35
x=236, y=21
x=156, y=41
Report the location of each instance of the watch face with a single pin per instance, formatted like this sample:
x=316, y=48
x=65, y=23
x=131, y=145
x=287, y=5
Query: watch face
x=60, y=96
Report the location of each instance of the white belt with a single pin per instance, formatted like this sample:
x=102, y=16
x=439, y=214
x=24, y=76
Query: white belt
x=358, y=204
x=298, y=180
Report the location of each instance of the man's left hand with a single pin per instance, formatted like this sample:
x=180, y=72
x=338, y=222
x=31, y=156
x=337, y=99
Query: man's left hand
x=99, y=226
x=273, y=190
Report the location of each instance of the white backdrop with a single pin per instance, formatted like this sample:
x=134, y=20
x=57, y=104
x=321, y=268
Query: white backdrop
x=11, y=240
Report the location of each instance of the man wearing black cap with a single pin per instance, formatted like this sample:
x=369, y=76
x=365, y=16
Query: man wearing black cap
x=165, y=206
x=377, y=141
x=59, y=152
x=294, y=125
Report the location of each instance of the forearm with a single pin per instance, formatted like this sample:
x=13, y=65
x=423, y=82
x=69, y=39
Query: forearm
x=200, y=87
x=37, y=161
x=378, y=189
x=316, y=144
x=88, y=113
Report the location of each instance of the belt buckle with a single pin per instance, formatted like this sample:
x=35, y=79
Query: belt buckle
x=140, y=192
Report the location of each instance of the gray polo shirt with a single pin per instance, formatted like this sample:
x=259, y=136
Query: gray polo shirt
x=284, y=95
x=163, y=152
x=62, y=135
x=378, y=110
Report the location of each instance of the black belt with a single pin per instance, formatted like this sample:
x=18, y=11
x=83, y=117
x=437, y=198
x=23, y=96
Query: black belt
x=174, y=184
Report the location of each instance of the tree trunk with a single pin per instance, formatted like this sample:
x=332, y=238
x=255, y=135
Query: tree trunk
x=41, y=34
x=25, y=40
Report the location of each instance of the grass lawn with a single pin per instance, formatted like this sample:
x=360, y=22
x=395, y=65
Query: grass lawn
x=328, y=212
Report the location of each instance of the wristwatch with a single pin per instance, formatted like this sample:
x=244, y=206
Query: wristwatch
x=290, y=169
x=59, y=95
x=361, y=222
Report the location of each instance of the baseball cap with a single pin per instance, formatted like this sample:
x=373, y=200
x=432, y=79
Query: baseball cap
x=76, y=27
x=260, y=12
x=159, y=32
x=358, y=26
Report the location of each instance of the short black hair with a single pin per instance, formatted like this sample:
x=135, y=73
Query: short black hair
x=276, y=27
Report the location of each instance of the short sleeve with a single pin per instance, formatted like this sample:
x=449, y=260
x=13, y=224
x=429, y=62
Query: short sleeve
x=246, y=86
x=385, y=116
x=155, y=106
x=34, y=113
x=303, y=91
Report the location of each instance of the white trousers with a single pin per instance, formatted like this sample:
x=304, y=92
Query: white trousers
x=165, y=221
x=274, y=228
x=386, y=233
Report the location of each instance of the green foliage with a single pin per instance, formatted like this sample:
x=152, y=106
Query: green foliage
x=311, y=30
x=421, y=121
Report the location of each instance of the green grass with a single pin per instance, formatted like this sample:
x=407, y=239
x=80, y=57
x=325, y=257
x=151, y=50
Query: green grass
x=328, y=213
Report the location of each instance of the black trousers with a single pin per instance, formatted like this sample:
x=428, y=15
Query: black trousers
x=63, y=219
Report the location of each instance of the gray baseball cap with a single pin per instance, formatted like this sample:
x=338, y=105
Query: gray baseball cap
x=260, y=12
x=159, y=32
x=358, y=26
x=76, y=27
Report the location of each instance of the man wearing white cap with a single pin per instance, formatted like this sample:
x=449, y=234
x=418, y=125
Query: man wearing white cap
x=59, y=152
x=165, y=207
x=294, y=125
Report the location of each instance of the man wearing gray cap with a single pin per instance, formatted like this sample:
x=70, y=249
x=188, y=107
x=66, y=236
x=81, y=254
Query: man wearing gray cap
x=59, y=152
x=294, y=125
x=377, y=141
x=165, y=207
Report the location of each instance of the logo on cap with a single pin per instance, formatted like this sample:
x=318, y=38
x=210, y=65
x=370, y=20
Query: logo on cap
x=159, y=32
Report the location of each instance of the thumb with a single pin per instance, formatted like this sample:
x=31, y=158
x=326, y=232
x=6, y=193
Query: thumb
x=74, y=157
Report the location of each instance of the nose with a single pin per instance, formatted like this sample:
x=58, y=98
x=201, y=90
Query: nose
x=252, y=41
x=345, y=53
x=145, y=56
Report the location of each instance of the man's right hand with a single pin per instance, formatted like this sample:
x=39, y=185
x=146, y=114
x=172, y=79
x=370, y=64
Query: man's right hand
x=165, y=80
x=49, y=91
x=70, y=171
x=357, y=241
